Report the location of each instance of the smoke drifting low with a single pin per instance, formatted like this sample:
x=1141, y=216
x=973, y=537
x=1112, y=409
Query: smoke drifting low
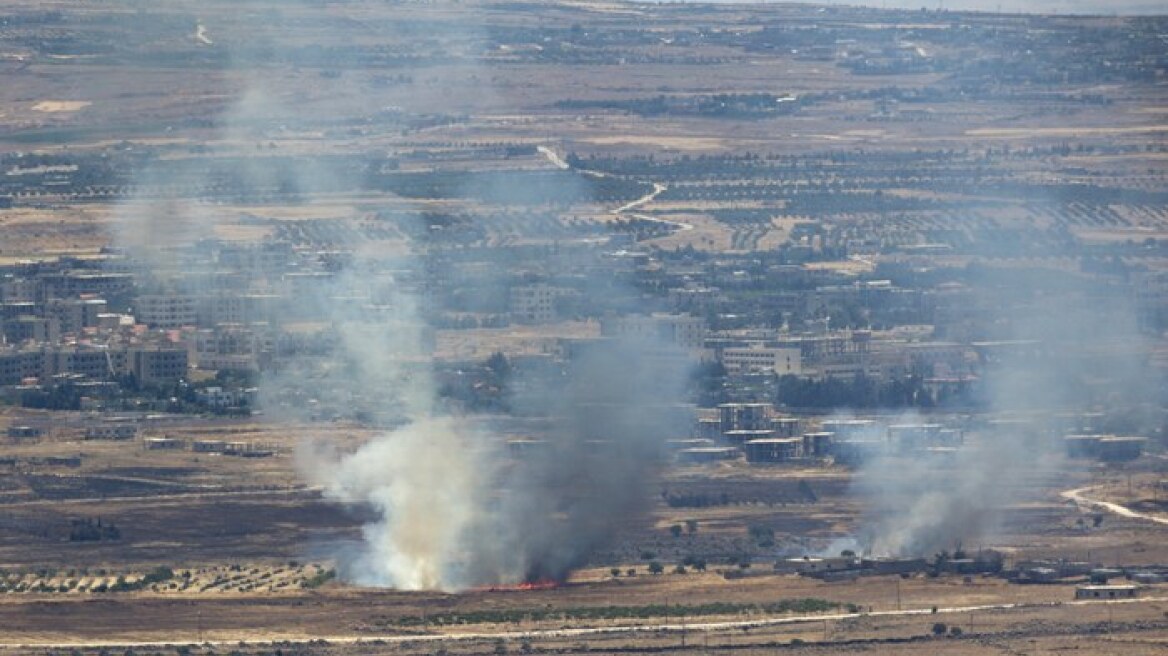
x=611, y=416
x=451, y=507
x=1056, y=346
x=921, y=505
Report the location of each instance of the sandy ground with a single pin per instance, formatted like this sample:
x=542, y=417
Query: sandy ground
x=60, y=105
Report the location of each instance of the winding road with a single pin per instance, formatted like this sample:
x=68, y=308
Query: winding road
x=1077, y=495
x=658, y=189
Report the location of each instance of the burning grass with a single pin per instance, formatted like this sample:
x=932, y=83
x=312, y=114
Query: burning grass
x=526, y=586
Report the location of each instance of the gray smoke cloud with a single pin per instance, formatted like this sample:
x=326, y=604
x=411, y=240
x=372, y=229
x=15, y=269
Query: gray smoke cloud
x=1054, y=345
x=454, y=510
x=450, y=507
x=610, y=416
x=921, y=505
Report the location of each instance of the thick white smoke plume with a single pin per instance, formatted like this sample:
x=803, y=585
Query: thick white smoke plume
x=453, y=511
x=425, y=480
x=449, y=508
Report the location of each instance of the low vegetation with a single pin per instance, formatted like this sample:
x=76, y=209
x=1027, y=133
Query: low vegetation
x=501, y=616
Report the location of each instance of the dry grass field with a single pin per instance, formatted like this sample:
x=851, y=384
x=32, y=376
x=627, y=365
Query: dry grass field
x=251, y=558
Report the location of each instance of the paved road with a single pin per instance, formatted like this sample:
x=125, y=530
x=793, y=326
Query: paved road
x=583, y=631
x=183, y=496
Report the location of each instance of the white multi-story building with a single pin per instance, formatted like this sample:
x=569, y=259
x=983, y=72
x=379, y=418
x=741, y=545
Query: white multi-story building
x=758, y=358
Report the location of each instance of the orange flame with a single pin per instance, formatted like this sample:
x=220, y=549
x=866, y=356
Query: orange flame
x=526, y=586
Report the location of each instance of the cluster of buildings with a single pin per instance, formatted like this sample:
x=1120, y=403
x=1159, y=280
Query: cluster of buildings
x=238, y=448
x=849, y=567
x=57, y=324
x=759, y=433
x=279, y=307
x=104, y=326
x=821, y=353
x=1095, y=581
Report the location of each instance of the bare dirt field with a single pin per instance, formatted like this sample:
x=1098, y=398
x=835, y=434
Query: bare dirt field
x=251, y=555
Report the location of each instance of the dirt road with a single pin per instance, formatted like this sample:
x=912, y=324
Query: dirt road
x=1077, y=495
x=658, y=188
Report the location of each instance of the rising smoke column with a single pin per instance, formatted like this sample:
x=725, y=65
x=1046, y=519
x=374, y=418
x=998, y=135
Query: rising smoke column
x=449, y=509
x=452, y=511
x=1060, y=342
x=609, y=421
x=426, y=480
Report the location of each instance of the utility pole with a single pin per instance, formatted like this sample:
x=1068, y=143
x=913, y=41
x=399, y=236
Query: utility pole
x=898, y=592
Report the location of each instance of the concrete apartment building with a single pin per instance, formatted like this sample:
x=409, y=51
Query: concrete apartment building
x=154, y=364
x=166, y=311
x=149, y=363
x=75, y=314
x=682, y=331
x=762, y=358
x=531, y=304
x=233, y=346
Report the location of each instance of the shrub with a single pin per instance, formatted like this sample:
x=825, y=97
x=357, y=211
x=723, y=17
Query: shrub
x=321, y=577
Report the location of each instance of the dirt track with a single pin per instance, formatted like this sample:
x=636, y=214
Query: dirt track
x=1077, y=495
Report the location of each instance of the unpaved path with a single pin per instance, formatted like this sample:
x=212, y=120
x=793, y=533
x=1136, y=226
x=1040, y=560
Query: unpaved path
x=1077, y=495
x=658, y=189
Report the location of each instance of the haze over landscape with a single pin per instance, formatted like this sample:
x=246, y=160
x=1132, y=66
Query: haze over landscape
x=457, y=327
x=1121, y=7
